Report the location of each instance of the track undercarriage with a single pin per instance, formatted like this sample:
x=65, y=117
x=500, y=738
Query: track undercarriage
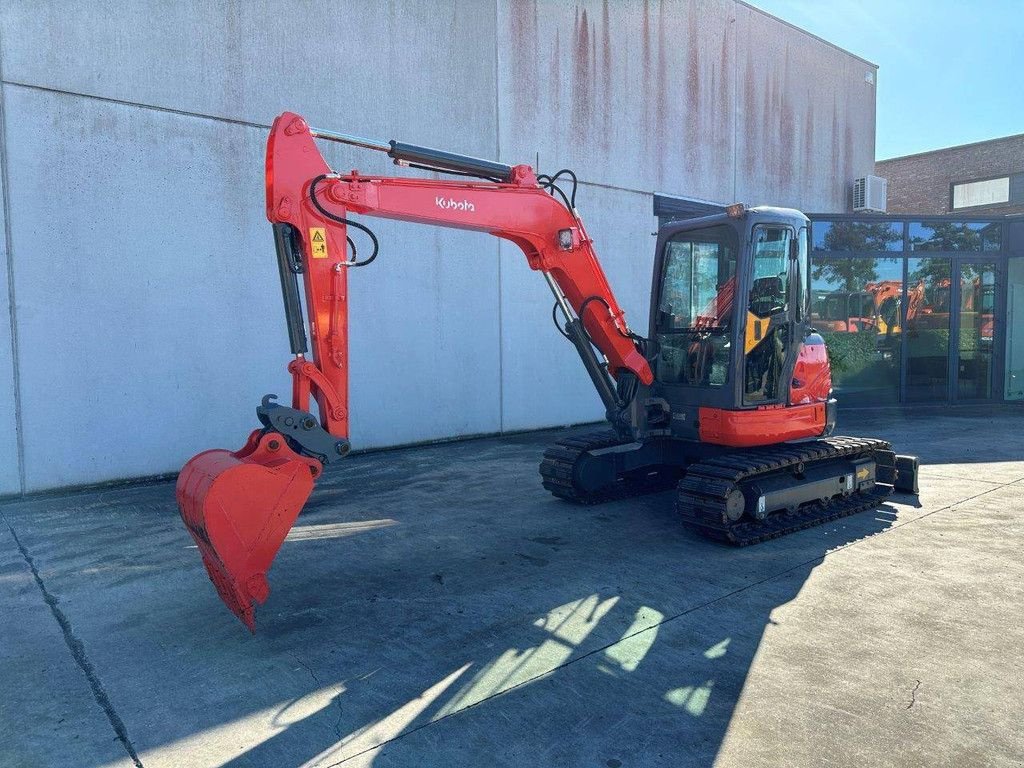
x=738, y=496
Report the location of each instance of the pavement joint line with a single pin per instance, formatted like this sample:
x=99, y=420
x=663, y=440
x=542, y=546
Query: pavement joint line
x=337, y=700
x=78, y=653
x=77, y=650
x=692, y=609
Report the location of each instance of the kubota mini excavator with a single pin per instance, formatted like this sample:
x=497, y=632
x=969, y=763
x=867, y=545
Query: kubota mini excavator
x=728, y=397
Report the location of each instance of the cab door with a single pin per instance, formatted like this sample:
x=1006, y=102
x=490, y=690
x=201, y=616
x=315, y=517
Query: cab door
x=775, y=312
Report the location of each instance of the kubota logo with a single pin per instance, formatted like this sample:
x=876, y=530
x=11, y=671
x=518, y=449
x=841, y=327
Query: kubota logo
x=451, y=204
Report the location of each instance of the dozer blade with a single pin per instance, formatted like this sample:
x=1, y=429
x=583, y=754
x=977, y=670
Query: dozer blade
x=239, y=507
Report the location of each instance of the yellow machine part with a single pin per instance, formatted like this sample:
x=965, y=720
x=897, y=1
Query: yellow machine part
x=757, y=329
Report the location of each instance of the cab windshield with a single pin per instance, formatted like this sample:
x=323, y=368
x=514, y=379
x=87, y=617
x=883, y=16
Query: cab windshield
x=695, y=308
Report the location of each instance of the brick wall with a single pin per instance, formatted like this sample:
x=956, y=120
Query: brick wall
x=921, y=183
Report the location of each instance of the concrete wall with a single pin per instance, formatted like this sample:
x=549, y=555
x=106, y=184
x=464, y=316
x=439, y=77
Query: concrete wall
x=146, y=311
x=10, y=463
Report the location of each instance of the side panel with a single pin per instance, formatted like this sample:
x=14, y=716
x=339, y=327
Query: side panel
x=812, y=376
x=745, y=429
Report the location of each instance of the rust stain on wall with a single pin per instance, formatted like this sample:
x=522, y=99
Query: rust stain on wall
x=555, y=79
x=606, y=78
x=834, y=139
x=809, y=137
x=645, y=64
x=724, y=112
x=523, y=31
x=581, y=80
x=692, y=117
x=847, y=155
x=787, y=131
x=661, y=86
x=750, y=123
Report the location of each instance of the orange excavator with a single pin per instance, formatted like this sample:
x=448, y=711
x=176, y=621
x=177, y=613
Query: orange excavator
x=727, y=399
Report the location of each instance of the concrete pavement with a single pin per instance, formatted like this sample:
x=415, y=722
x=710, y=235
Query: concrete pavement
x=435, y=606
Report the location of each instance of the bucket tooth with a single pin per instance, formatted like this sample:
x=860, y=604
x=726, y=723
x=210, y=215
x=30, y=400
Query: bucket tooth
x=239, y=506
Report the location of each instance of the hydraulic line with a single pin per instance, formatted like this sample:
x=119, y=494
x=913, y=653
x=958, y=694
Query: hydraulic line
x=577, y=334
x=347, y=222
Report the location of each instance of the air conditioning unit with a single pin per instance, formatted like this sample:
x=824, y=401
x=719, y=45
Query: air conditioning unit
x=869, y=194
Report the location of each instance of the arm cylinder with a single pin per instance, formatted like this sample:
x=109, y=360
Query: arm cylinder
x=411, y=153
x=284, y=241
x=449, y=161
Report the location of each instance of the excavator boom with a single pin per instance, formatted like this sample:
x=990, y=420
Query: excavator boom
x=240, y=505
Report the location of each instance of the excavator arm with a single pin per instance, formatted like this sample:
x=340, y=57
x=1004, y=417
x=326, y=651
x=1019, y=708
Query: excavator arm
x=240, y=505
x=314, y=203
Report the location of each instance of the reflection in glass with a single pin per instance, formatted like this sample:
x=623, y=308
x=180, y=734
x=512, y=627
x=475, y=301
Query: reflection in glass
x=977, y=307
x=858, y=236
x=855, y=306
x=955, y=236
x=927, y=323
x=767, y=316
x=1015, y=329
x=695, y=307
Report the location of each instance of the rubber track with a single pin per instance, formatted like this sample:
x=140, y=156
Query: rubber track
x=701, y=493
x=556, y=471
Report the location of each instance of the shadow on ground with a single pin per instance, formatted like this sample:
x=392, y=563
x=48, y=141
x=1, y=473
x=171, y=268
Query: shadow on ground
x=435, y=607
x=618, y=671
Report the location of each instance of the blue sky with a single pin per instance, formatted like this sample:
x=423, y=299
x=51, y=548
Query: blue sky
x=948, y=72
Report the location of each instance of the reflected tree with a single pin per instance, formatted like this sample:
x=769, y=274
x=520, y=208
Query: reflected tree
x=955, y=236
x=845, y=274
x=862, y=236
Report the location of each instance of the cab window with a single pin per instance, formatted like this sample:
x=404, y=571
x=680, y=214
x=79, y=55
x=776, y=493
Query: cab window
x=695, y=307
x=769, y=290
x=767, y=333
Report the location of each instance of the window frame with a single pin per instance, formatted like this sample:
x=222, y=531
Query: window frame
x=733, y=241
x=790, y=284
x=1009, y=193
x=734, y=245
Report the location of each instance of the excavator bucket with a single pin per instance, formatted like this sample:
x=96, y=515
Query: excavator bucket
x=239, y=507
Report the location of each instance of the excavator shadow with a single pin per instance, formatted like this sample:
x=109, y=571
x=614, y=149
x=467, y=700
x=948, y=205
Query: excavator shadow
x=545, y=634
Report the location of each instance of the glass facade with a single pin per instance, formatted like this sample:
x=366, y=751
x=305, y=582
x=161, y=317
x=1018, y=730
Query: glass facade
x=976, y=310
x=855, y=306
x=858, y=236
x=927, y=318
x=954, y=236
x=920, y=310
x=1013, y=388
x=913, y=309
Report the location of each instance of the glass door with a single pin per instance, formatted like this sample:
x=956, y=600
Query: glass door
x=926, y=330
x=1014, y=382
x=770, y=316
x=974, y=329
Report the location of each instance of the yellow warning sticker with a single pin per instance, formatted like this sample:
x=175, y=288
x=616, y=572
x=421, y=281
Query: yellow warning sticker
x=318, y=242
x=862, y=473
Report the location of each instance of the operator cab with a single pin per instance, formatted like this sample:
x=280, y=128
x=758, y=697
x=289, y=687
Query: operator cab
x=729, y=310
